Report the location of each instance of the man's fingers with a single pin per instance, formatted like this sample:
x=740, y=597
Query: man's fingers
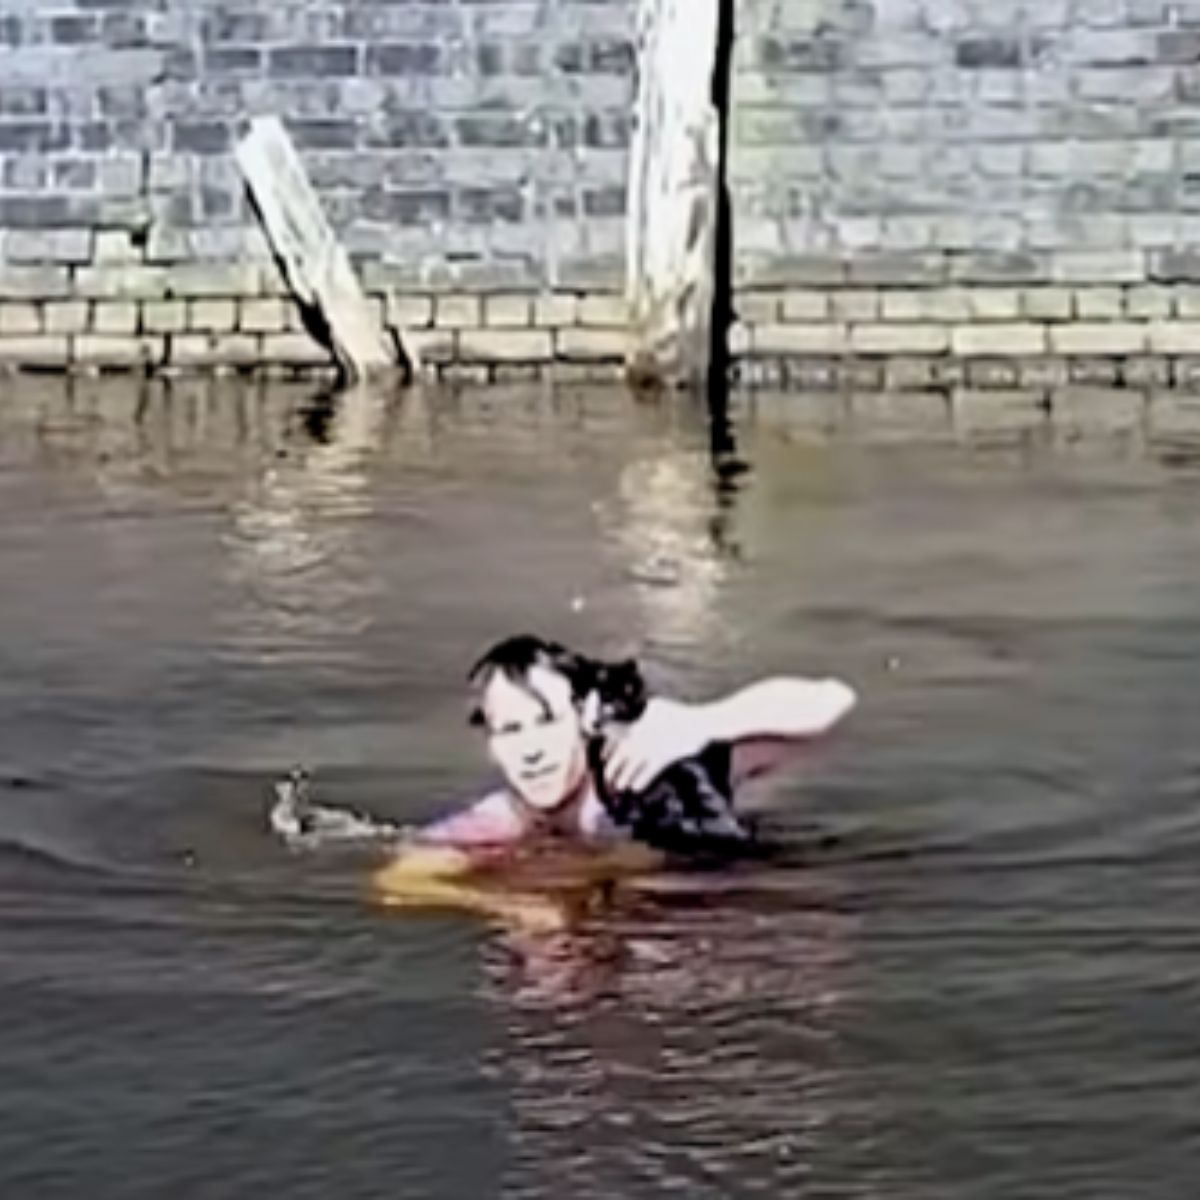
x=639, y=779
x=621, y=770
x=626, y=772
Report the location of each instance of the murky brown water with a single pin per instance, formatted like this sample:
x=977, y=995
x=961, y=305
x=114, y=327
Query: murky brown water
x=978, y=980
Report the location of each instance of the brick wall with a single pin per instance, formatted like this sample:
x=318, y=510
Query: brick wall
x=460, y=148
x=924, y=190
x=999, y=184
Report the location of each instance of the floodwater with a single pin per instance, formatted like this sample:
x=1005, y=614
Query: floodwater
x=976, y=974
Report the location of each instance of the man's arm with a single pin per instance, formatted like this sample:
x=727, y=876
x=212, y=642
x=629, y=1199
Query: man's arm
x=769, y=715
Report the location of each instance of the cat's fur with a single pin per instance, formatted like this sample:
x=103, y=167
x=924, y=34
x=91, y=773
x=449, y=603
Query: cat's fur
x=688, y=808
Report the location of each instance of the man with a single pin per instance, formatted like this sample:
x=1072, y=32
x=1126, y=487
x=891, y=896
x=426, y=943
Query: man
x=541, y=707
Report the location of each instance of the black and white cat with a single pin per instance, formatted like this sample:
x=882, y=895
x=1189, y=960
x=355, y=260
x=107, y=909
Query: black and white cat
x=688, y=809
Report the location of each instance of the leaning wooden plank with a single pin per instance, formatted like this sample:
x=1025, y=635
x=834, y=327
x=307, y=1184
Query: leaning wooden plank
x=673, y=179
x=315, y=264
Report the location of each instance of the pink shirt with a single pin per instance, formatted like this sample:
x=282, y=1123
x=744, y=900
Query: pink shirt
x=497, y=821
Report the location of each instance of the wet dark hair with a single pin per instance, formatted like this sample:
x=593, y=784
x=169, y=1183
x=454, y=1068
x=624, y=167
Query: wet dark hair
x=515, y=657
x=619, y=685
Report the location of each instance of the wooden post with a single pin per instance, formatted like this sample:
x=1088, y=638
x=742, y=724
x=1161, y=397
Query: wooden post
x=314, y=263
x=674, y=167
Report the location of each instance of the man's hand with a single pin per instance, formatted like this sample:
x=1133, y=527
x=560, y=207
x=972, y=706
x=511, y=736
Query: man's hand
x=780, y=710
x=666, y=732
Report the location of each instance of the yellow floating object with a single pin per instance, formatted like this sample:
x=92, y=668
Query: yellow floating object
x=533, y=890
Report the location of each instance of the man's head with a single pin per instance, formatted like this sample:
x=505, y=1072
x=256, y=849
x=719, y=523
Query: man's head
x=536, y=700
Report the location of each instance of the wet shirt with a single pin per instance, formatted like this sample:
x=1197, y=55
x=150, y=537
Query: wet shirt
x=497, y=821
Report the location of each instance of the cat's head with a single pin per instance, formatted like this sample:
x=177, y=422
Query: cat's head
x=621, y=691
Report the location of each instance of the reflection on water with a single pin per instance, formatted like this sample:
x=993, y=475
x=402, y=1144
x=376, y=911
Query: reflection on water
x=619, y=1063
x=972, y=976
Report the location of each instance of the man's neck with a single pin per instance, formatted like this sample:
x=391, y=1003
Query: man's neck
x=565, y=817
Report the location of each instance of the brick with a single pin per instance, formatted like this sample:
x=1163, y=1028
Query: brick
x=555, y=309
x=211, y=316
x=904, y=374
x=20, y=318
x=901, y=338
x=758, y=307
x=999, y=340
x=164, y=316
x=65, y=316
x=33, y=283
x=993, y=303
x=1152, y=230
x=115, y=317
x=898, y=268
x=507, y=345
x=296, y=350
x=926, y=304
x=1171, y=266
x=267, y=315
x=35, y=350
x=51, y=246
x=1042, y=372
x=113, y=282
x=312, y=62
x=117, y=350
x=1046, y=304
x=1145, y=301
x=992, y=373
x=214, y=350
x=457, y=312
x=603, y=311
x=201, y=280
x=1146, y=372
x=431, y=346
x=115, y=246
x=1103, y=337
x=1174, y=337
x=1098, y=303
x=409, y=312
x=1187, y=302
x=796, y=306
x=518, y=372
x=120, y=177
x=854, y=304
x=167, y=245
x=508, y=311
x=1185, y=372
x=1098, y=266
x=799, y=339
x=458, y=374
x=1000, y=267
x=404, y=59
x=789, y=270
x=591, y=345
x=1094, y=369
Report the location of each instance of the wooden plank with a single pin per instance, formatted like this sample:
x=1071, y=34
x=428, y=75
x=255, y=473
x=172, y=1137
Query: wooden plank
x=674, y=167
x=314, y=262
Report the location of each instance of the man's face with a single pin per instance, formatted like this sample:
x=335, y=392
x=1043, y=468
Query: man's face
x=536, y=736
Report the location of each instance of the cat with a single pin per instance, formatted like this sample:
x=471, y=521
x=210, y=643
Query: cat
x=688, y=809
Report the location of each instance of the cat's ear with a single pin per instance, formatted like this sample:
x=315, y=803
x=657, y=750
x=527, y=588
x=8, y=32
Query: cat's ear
x=589, y=712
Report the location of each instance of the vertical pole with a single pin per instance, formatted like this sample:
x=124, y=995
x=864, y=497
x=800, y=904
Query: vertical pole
x=673, y=192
